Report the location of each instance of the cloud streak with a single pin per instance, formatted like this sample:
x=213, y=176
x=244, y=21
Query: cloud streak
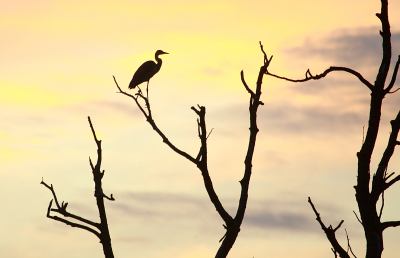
x=159, y=207
x=356, y=48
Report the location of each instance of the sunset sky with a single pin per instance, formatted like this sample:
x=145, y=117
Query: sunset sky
x=57, y=59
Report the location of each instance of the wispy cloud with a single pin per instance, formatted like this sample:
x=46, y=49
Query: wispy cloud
x=356, y=48
x=156, y=207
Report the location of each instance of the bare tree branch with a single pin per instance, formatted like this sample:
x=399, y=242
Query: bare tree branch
x=393, y=80
x=232, y=225
x=150, y=120
x=104, y=234
x=245, y=84
x=391, y=182
x=366, y=195
x=379, y=182
x=382, y=205
x=334, y=252
x=62, y=209
x=330, y=233
x=348, y=245
x=357, y=217
x=325, y=73
x=72, y=224
x=202, y=164
x=201, y=159
x=386, y=45
x=387, y=224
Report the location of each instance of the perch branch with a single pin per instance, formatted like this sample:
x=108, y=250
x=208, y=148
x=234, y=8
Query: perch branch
x=150, y=120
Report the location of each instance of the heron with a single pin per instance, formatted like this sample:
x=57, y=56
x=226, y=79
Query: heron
x=146, y=71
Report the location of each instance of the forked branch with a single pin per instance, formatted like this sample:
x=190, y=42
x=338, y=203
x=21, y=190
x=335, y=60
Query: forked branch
x=100, y=229
x=200, y=160
x=394, y=76
x=151, y=121
x=330, y=233
x=232, y=225
x=379, y=184
x=62, y=209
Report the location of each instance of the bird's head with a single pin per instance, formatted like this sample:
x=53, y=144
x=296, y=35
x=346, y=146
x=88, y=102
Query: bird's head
x=160, y=52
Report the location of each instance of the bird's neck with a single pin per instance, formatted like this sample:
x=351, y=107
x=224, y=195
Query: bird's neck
x=159, y=62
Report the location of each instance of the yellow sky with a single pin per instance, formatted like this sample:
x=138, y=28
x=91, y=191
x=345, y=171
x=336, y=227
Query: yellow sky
x=57, y=59
x=66, y=44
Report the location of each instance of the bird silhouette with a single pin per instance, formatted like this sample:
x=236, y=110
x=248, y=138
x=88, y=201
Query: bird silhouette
x=146, y=71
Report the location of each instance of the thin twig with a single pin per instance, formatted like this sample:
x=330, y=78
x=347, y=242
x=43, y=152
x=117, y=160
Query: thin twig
x=93, y=132
x=209, y=133
x=348, y=245
x=245, y=84
x=357, y=217
x=383, y=196
x=393, y=80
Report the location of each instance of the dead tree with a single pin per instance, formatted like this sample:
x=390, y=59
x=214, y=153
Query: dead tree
x=99, y=229
x=367, y=197
x=232, y=224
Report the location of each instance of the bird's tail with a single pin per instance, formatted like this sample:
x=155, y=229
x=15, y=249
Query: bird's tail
x=132, y=85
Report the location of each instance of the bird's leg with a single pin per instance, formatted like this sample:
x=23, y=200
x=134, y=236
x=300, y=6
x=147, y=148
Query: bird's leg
x=147, y=95
x=140, y=90
x=147, y=90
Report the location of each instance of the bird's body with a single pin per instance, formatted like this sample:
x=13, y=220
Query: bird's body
x=146, y=71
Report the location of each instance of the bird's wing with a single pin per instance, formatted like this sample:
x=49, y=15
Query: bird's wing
x=143, y=73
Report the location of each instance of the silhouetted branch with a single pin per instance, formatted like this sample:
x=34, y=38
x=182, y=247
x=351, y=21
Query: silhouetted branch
x=131, y=96
x=72, y=224
x=62, y=209
x=386, y=45
x=201, y=159
x=366, y=195
x=379, y=183
x=396, y=90
x=245, y=84
x=387, y=224
x=212, y=129
x=382, y=205
x=385, y=177
x=52, y=191
x=325, y=73
x=202, y=164
x=232, y=225
x=334, y=252
x=150, y=120
x=266, y=60
x=104, y=234
x=391, y=182
x=348, y=245
x=357, y=217
x=330, y=232
x=393, y=80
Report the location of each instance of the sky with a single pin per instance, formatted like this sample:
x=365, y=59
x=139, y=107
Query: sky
x=57, y=62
